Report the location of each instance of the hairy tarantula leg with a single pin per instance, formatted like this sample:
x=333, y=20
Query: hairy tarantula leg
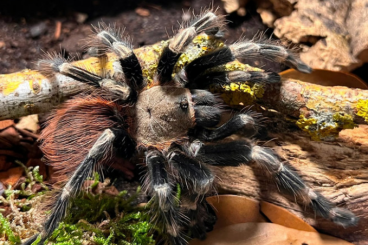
x=58, y=64
x=205, y=80
x=271, y=52
x=243, y=122
x=162, y=192
x=289, y=180
x=241, y=50
x=231, y=153
x=285, y=176
x=74, y=184
x=127, y=58
x=180, y=41
x=189, y=169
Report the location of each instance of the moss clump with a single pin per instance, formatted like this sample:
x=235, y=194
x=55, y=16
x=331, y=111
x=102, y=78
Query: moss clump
x=92, y=218
x=5, y=230
x=15, y=226
x=104, y=219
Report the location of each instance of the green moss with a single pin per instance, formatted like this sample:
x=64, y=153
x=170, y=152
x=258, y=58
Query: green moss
x=6, y=231
x=122, y=222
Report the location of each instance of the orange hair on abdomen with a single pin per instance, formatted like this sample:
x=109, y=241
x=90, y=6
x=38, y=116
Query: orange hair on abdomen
x=72, y=130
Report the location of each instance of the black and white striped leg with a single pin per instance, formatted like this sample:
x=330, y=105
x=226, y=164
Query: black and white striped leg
x=231, y=153
x=241, y=50
x=205, y=80
x=268, y=51
x=198, y=66
x=242, y=123
x=289, y=180
x=164, y=202
x=285, y=176
x=102, y=146
x=208, y=22
x=129, y=62
x=60, y=65
x=197, y=177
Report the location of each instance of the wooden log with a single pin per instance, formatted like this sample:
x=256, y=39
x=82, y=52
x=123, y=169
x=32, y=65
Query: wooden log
x=338, y=170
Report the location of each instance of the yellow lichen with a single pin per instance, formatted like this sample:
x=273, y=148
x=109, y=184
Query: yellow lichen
x=258, y=90
x=10, y=85
x=201, y=45
x=325, y=127
x=305, y=123
x=326, y=131
x=362, y=109
x=236, y=94
x=345, y=121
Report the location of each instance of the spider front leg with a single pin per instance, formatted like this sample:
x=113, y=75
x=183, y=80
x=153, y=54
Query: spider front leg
x=245, y=123
x=208, y=22
x=164, y=202
x=196, y=181
x=237, y=152
x=194, y=72
x=101, y=148
x=110, y=38
x=203, y=81
x=197, y=177
x=59, y=65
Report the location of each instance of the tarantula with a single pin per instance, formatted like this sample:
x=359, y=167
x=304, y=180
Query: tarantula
x=174, y=126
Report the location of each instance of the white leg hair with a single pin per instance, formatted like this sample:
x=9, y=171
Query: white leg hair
x=290, y=181
x=102, y=146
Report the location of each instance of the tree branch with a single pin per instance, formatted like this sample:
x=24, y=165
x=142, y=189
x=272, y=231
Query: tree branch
x=321, y=111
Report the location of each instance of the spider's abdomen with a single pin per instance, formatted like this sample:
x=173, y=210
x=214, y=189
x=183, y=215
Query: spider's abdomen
x=162, y=114
x=73, y=129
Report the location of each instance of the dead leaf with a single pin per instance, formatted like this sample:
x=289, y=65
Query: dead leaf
x=29, y=123
x=265, y=234
x=11, y=135
x=231, y=209
x=6, y=123
x=11, y=176
x=326, y=78
x=281, y=216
